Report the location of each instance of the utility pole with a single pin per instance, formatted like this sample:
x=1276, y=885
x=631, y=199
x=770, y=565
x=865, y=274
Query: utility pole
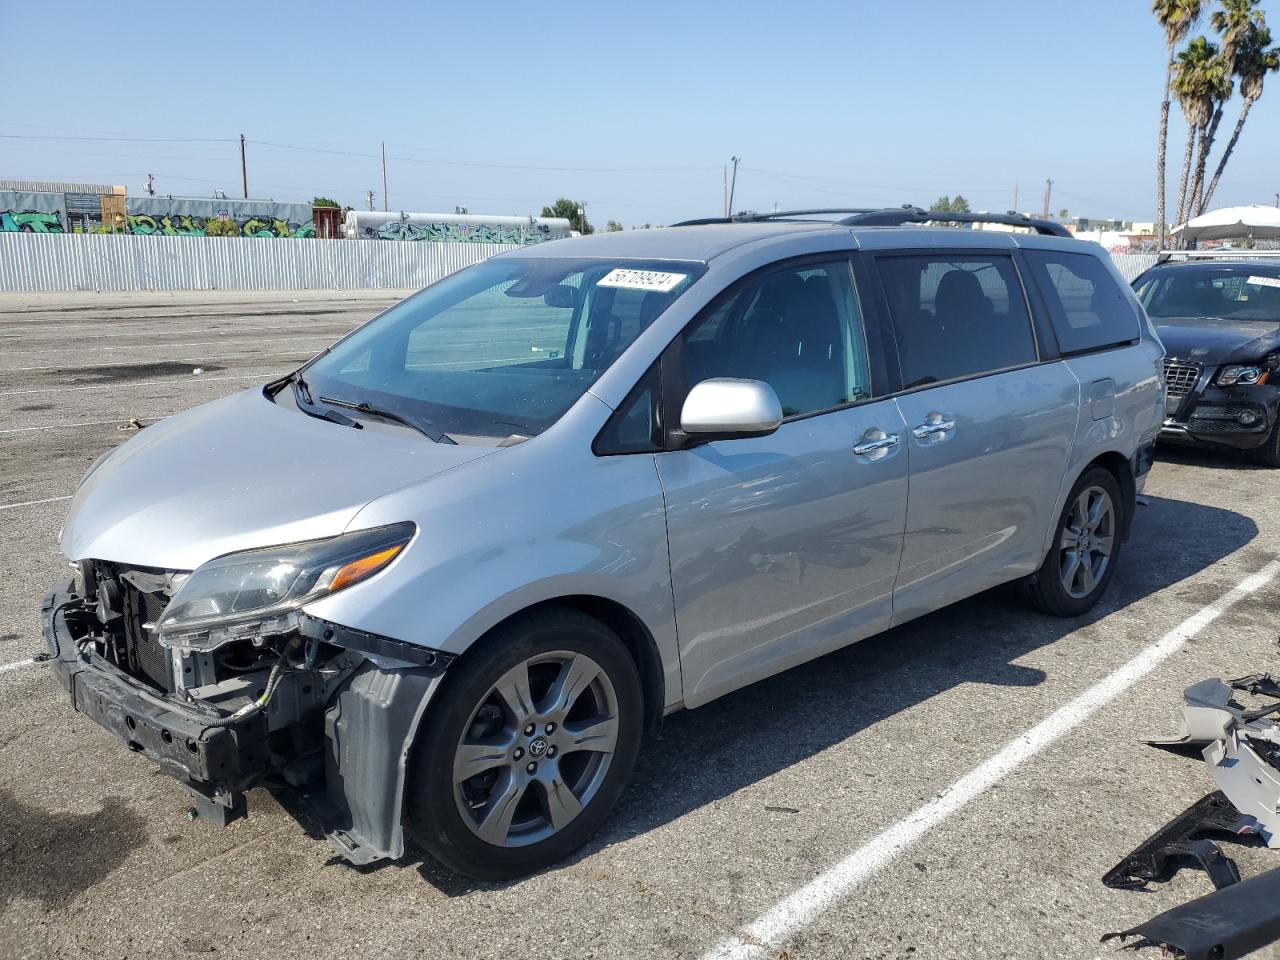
x=1015, y=198
x=384, y=176
x=1048, y=190
x=1278, y=199
x=368, y=198
x=582, y=218
x=151, y=185
x=733, y=183
x=244, y=169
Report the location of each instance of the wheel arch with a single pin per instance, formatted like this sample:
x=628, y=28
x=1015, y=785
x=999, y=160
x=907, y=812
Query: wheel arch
x=1120, y=467
x=630, y=629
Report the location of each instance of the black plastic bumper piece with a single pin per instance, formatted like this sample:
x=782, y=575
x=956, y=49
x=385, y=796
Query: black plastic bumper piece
x=1181, y=843
x=1228, y=923
x=216, y=763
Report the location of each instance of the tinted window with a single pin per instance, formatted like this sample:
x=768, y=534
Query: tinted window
x=1089, y=310
x=956, y=316
x=1238, y=291
x=798, y=329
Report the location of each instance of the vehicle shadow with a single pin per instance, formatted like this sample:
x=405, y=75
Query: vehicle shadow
x=1217, y=458
x=707, y=754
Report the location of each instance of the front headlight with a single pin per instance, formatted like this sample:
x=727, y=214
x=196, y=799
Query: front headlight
x=1241, y=375
x=257, y=592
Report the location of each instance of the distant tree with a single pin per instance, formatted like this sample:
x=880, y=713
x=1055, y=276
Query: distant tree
x=946, y=204
x=1176, y=17
x=1254, y=60
x=568, y=209
x=613, y=226
x=325, y=202
x=1197, y=83
x=1063, y=213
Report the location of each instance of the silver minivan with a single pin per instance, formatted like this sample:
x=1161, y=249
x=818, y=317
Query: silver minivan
x=443, y=578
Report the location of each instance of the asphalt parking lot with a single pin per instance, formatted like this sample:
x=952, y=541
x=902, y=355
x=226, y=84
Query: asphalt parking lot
x=841, y=762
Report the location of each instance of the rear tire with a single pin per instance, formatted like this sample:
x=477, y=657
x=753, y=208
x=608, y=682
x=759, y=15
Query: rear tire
x=548, y=713
x=1086, y=547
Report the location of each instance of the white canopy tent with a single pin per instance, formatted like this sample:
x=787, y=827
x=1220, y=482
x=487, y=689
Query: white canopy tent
x=1255, y=222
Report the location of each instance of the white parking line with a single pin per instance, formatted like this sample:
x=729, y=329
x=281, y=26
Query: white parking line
x=31, y=503
x=228, y=338
x=774, y=927
x=14, y=666
x=136, y=383
x=129, y=363
x=79, y=423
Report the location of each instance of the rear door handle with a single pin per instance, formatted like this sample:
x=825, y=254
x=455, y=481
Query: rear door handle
x=933, y=424
x=876, y=440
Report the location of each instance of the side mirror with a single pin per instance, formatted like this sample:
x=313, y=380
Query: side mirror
x=731, y=408
x=561, y=295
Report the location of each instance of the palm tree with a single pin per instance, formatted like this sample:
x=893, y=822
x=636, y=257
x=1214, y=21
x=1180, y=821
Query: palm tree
x=1177, y=17
x=1233, y=23
x=1194, y=84
x=1255, y=58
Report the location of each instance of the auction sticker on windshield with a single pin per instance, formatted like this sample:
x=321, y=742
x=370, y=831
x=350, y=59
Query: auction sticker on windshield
x=641, y=280
x=1258, y=281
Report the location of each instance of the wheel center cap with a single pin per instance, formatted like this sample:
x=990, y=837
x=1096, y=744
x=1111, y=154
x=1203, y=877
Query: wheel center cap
x=538, y=747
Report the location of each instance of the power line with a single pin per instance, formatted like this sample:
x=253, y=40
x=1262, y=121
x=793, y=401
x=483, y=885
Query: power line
x=32, y=136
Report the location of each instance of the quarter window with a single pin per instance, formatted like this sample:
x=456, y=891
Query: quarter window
x=956, y=316
x=798, y=329
x=1088, y=308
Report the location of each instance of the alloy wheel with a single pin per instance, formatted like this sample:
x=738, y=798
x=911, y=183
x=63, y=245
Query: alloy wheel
x=536, y=749
x=1088, y=539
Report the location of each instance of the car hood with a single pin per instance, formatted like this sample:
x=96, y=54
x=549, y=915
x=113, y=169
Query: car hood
x=1214, y=340
x=238, y=473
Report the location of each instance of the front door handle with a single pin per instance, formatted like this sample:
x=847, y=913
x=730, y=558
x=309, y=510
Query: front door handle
x=876, y=440
x=933, y=424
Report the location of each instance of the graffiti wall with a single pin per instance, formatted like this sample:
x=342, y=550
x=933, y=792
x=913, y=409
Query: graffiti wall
x=162, y=216
x=31, y=212
x=198, y=217
x=453, y=228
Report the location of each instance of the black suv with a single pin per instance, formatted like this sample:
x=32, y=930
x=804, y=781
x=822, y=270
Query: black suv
x=1220, y=323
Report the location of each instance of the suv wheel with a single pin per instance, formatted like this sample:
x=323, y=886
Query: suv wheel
x=526, y=748
x=1086, y=546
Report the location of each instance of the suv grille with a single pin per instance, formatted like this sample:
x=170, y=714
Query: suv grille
x=1180, y=378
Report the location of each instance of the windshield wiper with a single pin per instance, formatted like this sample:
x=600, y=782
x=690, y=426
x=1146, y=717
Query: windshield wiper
x=302, y=400
x=368, y=409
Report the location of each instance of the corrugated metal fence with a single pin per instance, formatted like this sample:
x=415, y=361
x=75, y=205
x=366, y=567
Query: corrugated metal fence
x=35, y=261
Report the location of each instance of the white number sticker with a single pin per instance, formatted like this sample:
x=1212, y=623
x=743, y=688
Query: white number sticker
x=1265, y=281
x=642, y=280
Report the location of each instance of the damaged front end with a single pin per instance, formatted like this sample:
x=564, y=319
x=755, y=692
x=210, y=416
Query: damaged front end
x=224, y=680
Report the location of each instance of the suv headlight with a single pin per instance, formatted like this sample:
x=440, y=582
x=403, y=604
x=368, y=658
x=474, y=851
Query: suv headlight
x=257, y=592
x=1242, y=375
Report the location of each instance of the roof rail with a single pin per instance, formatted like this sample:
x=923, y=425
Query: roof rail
x=903, y=215
x=890, y=217
x=750, y=216
x=1165, y=255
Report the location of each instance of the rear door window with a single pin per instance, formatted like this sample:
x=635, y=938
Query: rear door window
x=956, y=316
x=1087, y=307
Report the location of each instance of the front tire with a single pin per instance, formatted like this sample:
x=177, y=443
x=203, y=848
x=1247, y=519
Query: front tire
x=1086, y=546
x=1269, y=453
x=527, y=747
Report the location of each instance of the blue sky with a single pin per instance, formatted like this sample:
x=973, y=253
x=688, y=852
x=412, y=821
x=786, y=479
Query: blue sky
x=635, y=108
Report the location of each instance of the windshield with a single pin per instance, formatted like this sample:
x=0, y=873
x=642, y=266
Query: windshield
x=502, y=348
x=1236, y=292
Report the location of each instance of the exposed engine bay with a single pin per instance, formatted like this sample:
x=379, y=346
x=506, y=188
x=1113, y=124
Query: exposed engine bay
x=293, y=706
